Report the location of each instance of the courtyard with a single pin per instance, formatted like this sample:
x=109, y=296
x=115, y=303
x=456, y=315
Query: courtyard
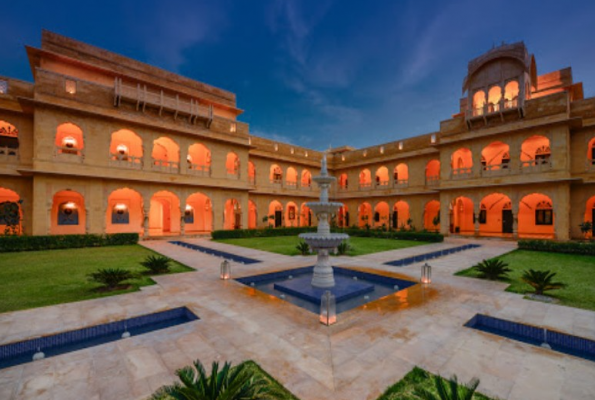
x=367, y=350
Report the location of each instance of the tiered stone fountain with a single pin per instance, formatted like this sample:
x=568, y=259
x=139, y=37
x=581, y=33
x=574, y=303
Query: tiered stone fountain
x=323, y=240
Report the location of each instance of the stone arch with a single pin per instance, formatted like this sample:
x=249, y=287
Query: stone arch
x=365, y=216
x=165, y=154
x=365, y=179
x=495, y=156
x=68, y=214
x=401, y=215
x=199, y=158
x=305, y=215
x=232, y=164
x=535, y=151
x=69, y=139
x=164, y=214
x=401, y=174
x=343, y=182
x=461, y=162
x=536, y=216
x=432, y=215
x=291, y=177
x=124, y=212
x=198, y=214
x=381, y=215
x=276, y=174
x=232, y=214
x=433, y=171
x=306, y=180
x=495, y=215
x=275, y=215
x=381, y=177
x=291, y=214
x=252, y=215
x=461, y=216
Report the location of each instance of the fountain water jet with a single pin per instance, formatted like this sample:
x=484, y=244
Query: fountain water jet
x=323, y=241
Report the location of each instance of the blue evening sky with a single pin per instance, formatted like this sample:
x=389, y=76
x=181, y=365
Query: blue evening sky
x=323, y=72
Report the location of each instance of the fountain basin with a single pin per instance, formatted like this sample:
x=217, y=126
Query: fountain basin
x=322, y=241
x=324, y=207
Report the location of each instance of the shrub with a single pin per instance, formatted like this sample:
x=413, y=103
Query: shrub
x=303, y=248
x=156, y=264
x=52, y=242
x=344, y=248
x=111, y=278
x=448, y=389
x=233, y=383
x=558, y=247
x=493, y=269
x=269, y=232
x=541, y=281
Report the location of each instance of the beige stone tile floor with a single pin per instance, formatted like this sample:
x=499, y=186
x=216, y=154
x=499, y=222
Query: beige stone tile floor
x=367, y=350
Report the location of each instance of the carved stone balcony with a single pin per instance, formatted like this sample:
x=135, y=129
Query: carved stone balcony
x=291, y=185
x=9, y=154
x=365, y=185
x=199, y=169
x=495, y=170
x=343, y=188
x=461, y=173
x=233, y=174
x=277, y=182
x=68, y=154
x=125, y=161
x=432, y=180
x=401, y=183
x=171, y=167
x=536, y=165
x=382, y=184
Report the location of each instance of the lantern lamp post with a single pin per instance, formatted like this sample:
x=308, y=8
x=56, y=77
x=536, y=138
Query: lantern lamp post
x=225, y=270
x=328, y=309
x=426, y=274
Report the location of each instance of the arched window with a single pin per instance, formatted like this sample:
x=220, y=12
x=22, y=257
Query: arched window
x=542, y=154
x=365, y=179
x=120, y=214
x=382, y=176
x=343, y=182
x=69, y=139
x=232, y=165
x=591, y=152
x=251, y=172
x=126, y=149
x=291, y=177
x=535, y=152
x=276, y=174
x=306, y=178
x=483, y=214
x=511, y=94
x=479, y=101
x=494, y=97
x=166, y=155
x=68, y=214
x=401, y=175
x=544, y=213
x=9, y=139
x=199, y=159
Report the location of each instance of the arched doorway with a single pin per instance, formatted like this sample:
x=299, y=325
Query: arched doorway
x=291, y=214
x=343, y=217
x=461, y=216
x=166, y=155
x=198, y=214
x=164, y=214
x=536, y=217
x=381, y=215
x=365, y=215
x=495, y=157
x=232, y=216
x=11, y=213
x=495, y=216
x=536, y=153
x=232, y=165
x=365, y=179
x=124, y=212
x=126, y=149
x=432, y=172
x=461, y=163
x=68, y=215
x=305, y=215
x=252, y=215
x=381, y=177
x=401, y=175
x=199, y=159
x=432, y=216
x=400, y=217
x=275, y=214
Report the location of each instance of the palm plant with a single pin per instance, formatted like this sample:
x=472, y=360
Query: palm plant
x=541, y=281
x=343, y=248
x=303, y=248
x=586, y=227
x=448, y=389
x=493, y=269
x=237, y=383
x=156, y=264
x=111, y=278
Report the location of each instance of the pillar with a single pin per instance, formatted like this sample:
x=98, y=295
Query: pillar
x=146, y=210
x=515, y=218
x=476, y=211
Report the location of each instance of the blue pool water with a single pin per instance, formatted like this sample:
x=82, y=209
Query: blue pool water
x=430, y=256
x=22, y=352
x=352, y=288
x=561, y=342
x=216, y=253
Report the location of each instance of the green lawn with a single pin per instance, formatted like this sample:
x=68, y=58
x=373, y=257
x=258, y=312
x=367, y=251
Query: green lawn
x=41, y=278
x=577, y=271
x=287, y=244
x=415, y=380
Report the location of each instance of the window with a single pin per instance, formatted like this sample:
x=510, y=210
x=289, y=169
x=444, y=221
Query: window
x=189, y=215
x=291, y=212
x=543, y=153
x=70, y=86
x=505, y=160
x=120, y=215
x=233, y=127
x=376, y=216
x=483, y=214
x=68, y=214
x=3, y=86
x=544, y=214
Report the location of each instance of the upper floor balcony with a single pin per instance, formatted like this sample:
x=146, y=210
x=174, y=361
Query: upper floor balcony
x=123, y=160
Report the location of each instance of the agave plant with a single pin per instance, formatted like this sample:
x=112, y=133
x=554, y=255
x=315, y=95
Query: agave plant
x=493, y=269
x=111, y=278
x=343, y=248
x=449, y=389
x=303, y=248
x=541, y=281
x=237, y=383
x=156, y=264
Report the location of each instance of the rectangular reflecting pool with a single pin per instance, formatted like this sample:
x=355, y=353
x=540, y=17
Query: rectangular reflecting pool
x=537, y=336
x=22, y=352
x=352, y=288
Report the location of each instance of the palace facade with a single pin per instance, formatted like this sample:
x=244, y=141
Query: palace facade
x=103, y=143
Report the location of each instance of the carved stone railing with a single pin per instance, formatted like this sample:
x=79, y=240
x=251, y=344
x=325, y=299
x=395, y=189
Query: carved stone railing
x=277, y=182
x=172, y=167
x=343, y=188
x=536, y=165
x=495, y=169
x=8, y=154
x=70, y=154
x=125, y=161
x=382, y=184
x=401, y=183
x=252, y=180
x=365, y=185
x=291, y=185
x=199, y=169
x=461, y=173
x=233, y=174
x=432, y=180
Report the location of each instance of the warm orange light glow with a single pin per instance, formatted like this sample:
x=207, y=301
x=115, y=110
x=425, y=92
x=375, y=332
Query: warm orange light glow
x=188, y=207
x=70, y=205
x=120, y=207
x=122, y=149
x=69, y=142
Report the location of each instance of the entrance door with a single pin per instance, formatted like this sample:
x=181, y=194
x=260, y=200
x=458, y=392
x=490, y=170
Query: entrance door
x=278, y=218
x=347, y=218
x=506, y=221
x=166, y=216
x=237, y=221
x=395, y=219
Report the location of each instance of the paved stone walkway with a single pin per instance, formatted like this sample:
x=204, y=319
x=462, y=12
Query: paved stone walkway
x=369, y=348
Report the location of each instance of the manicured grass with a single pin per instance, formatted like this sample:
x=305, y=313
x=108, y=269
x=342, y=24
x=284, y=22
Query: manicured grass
x=41, y=278
x=415, y=380
x=577, y=271
x=287, y=244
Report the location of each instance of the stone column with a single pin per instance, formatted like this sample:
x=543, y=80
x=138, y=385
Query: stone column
x=476, y=211
x=515, y=219
x=146, y=222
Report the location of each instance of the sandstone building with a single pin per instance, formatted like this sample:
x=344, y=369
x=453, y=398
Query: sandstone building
x=103, y=143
